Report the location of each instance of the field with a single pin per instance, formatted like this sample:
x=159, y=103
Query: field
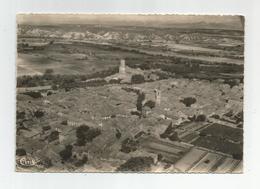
x=221, y=138
x=68, y=59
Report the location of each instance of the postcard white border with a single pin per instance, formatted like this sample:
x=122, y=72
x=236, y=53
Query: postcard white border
x=10, y=179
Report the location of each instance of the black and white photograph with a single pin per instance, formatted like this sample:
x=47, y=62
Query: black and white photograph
x=129, y=93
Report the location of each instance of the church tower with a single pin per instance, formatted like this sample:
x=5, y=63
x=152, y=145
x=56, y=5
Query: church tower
x=157, y=96
x=122, y=66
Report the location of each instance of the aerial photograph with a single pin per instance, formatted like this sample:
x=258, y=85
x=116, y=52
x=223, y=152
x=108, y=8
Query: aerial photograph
x=142, y=93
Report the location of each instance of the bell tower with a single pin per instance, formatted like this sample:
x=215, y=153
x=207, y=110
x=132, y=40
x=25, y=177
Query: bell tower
x=157, y=96
x=122, y=66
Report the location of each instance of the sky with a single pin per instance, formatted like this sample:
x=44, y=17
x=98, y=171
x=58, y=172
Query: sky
x=133, y=20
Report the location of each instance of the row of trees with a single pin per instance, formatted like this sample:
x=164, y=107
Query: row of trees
x=69, y=81
x=187, y=68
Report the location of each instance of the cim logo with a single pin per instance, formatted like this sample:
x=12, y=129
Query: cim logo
x=27, y=161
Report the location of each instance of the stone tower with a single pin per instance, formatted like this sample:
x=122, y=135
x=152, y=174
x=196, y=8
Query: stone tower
x=157, y=96
x=122, y=66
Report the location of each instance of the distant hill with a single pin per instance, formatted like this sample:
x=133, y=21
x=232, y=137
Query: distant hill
x=152, y=20
x=130, y=33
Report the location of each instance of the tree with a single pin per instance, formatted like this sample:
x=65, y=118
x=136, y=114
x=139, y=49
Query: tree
x=129, y=145
x=33, y=94
x=80, y=133
x=118, y=134
x=66, y=153
x=46, y=128
x=239, y=117
x=20, y=152
x=150, y=104
x=139, y=102
x=137, y=78
x=137, y=164
x=238, y=156
x=49, y=71
x=38, y=113
x=188, y=101
x=64, y=122
x=20, y=115
x=169, y=130
x=53, y=136
x=86, y=134
x=201, y=117
x=115, y=81
x=170, y=133
x=232, y=82
x=82, y=161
